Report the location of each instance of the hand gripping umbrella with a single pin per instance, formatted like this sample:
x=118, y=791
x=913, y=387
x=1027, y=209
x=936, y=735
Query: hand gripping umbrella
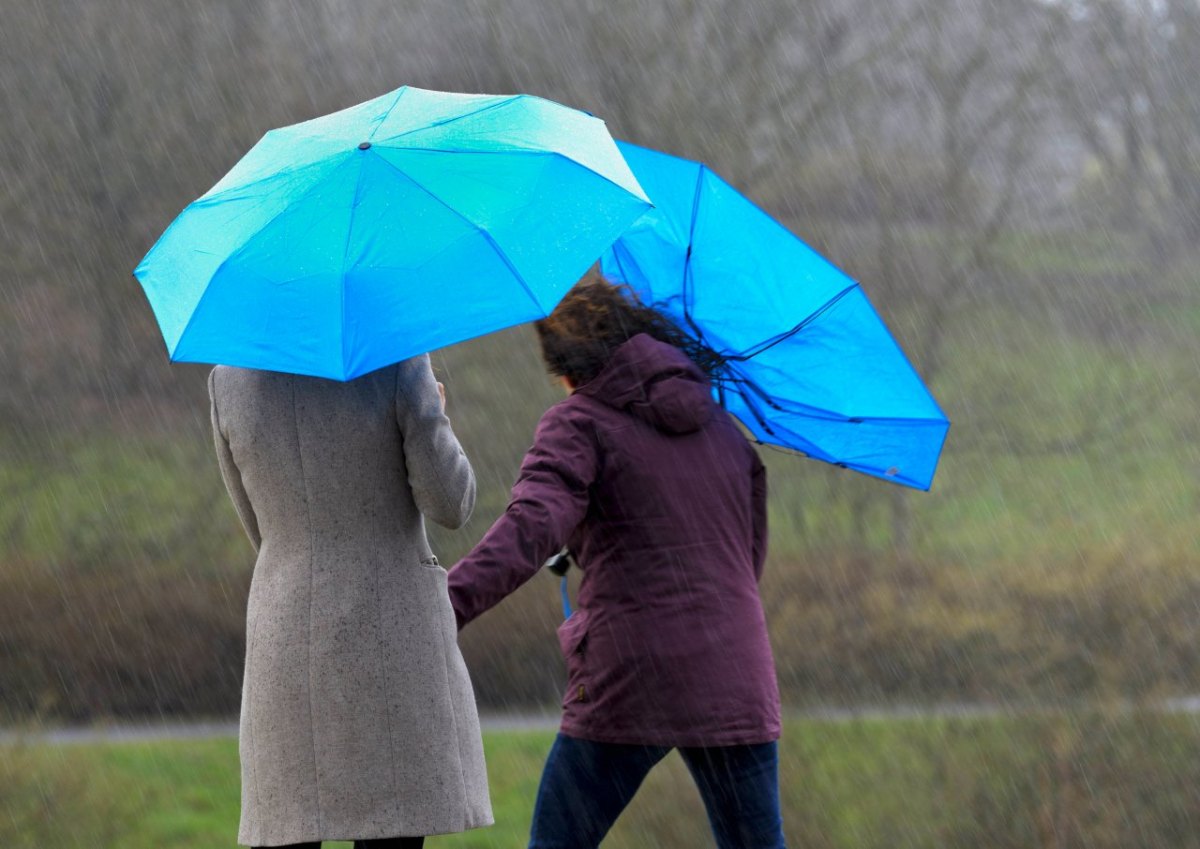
x=389, y=229
x=808, y=363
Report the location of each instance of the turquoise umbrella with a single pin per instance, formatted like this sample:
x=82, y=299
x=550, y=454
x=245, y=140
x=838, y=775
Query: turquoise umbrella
x=389, y=229
x=808, y=364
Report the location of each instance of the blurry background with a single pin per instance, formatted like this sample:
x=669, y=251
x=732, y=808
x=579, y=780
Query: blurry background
x=1016, y=184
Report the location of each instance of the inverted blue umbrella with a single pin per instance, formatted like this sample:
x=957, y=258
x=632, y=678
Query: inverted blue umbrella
x=392, y=228
x=808, y=363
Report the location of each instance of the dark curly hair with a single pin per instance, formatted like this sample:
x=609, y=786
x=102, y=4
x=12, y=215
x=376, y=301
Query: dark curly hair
x=598, y=316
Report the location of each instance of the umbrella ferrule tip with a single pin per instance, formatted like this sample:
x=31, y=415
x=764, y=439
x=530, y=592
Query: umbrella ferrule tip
x=364, y=146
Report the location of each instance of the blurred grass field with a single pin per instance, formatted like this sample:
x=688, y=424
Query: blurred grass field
x=1052, y=561
x=1120, y=780
x=1059, y=443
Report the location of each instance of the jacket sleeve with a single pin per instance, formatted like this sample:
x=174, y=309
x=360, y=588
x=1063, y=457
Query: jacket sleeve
x=229, y=470
x=439, y=473
x=758, y=512
x=548, y=502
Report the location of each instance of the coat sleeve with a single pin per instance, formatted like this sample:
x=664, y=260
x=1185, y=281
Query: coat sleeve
x=548, y=502
x=229, y=469
x=439, y=473
x=758, y=512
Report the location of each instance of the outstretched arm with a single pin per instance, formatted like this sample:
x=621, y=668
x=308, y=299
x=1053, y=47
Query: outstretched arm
x=442, y=482
x=548, y=501
x=229, y=469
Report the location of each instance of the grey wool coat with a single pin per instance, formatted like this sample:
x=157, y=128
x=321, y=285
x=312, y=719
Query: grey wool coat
x=358, y=718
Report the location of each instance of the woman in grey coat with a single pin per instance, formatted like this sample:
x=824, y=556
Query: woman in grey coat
x=358, y=719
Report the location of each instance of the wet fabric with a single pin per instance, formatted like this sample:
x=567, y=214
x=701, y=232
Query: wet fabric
x=403, y=224
x=586, y=785
x=358, y=718
x=663, y=503
x=810, y=366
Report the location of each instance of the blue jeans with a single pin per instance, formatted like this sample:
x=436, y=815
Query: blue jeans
x=586, y=785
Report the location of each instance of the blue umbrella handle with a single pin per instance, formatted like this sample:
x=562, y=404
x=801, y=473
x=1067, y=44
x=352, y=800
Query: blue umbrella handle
x=566, y=598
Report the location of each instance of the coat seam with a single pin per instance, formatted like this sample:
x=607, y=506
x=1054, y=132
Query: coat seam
x=387, y=523
x=250, y=640
x=312, y=726
x=462, y=774
x=387, y=690
x=253, y=734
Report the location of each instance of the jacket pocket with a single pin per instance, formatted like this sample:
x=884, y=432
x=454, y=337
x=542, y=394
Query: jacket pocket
x=572, y=634
x=572, y=640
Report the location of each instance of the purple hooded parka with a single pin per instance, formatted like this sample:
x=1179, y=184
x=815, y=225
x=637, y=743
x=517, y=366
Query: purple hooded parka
x=662, y=501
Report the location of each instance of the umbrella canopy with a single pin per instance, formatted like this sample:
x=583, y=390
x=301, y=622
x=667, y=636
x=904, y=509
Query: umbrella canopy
x=404, y=224
x=809, y=365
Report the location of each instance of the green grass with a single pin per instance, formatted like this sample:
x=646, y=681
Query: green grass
x=1059, y=443
x=107, y=501
x=1098, y=780
x=1082, y=253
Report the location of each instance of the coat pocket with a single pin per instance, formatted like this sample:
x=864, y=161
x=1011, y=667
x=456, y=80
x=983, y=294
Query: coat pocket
x=572, y=634
x=572, y=639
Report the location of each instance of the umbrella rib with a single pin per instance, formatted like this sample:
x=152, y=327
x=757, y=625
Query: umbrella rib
x=812, y=449
x=345, y=254
x=517, y=151
x=750, y=353
x=821, y=413
x=687, y=260
x=814, y=452
x=241, y=249
x=770, y=220
x=482, y=231
x=283, y=171
x=446, y=121
x=388, y=113
x=852, y=465
x=616, y=253
x=209, y=199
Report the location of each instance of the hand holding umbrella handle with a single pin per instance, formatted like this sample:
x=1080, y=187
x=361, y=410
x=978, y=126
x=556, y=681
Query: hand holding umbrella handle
x=559, y=563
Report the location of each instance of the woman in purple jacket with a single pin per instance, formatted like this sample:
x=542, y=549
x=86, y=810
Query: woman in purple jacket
x=662, y=502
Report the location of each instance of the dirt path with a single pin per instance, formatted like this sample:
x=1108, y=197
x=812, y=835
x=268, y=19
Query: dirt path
x=160, y=731
x=531, y=721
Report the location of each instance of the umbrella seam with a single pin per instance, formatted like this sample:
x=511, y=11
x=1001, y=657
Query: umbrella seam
x=763, y=347
x=687, y=258
x=903, y=355
x=207, y=199
x=823, y=414
x=754, y=400
x=345, y=251
x=481, y=230
x=456, y=118
x=237, y=253
x=312, y=727
x=861, y=468
x=616, y=254
x=387, y=114
x=770, y=220
x=521, y=151
x=687, y=266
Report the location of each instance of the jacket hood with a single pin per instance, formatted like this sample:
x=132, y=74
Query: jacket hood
x=655, y=382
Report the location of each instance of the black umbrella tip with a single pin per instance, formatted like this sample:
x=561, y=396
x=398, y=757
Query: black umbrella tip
x=364, y=146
